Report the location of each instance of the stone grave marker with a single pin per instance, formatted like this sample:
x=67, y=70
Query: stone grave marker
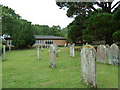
x=65, y=45
x=119, y=57
x=88, y=65
x=72, y=51
x=101, y=54
x=38, y=52
x=4, y=56
x=56, y=50
x=113, y=54
x=52, y=56
x=107, y=52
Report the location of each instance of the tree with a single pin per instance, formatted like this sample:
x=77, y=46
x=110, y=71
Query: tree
x=116, y=16
x=8, y=17
x=20, y=30
x=85, y=8
x=116, y=36
x=23, y=34
x=101, y=26
x=76, y=28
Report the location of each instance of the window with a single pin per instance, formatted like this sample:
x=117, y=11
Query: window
x=49, y=41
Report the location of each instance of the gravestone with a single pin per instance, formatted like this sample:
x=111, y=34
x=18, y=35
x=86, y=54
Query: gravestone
x=38, y=52
x=72, y=51
x=52, y=56
x=41, y=47
x=3, y=56
x=65, y=45
x=119, y=57
x=113, y=54
x=56, y=50
x=101, y=54
x=88, y=65
x=107, y=52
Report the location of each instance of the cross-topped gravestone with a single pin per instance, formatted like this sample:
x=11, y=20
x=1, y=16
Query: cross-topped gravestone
x=101, y=53
x=72, y=52
x=38, y=52
x=52, y=56
x=88, y=65
x=3, y=56
x=114, y=54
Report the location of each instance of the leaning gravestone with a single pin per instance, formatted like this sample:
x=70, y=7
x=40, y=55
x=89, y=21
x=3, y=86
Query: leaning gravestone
x=101, y=54
x=113, y=54
x=72, y=52
x=52, y=56
x=38, y=53
x=3, y=56
x=88, y=65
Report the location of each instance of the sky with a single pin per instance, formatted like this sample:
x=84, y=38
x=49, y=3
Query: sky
x=42, y=12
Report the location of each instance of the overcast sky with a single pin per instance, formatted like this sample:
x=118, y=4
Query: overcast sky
x=43, y=12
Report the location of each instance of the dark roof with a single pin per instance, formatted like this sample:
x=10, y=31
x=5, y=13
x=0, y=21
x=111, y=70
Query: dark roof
x=49, y=37
x=45, y=37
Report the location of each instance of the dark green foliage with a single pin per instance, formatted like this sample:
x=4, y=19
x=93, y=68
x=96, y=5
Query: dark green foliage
x=46, y=30
x=116, y=36
x=75, y=29
x=101, y=26
x=20, y=30
x=23, y=34
x=116, y=16
x=85, y=8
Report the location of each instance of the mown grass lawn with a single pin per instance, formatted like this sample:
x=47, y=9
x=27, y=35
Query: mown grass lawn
x=23, y=70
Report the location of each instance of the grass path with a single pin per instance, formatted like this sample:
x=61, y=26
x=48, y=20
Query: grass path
x=23, y=70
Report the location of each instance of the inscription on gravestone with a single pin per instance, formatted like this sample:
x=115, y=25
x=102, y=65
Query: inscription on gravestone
x=88, y=65
x=113, y=54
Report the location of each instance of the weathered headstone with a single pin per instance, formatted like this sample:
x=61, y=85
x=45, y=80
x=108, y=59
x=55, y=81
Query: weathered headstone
x=107, y=52
x=52, y=56
x=88, y=65
x=72, y=52
x=3, y=56
x=113, y=54
x=101, y=53
x=38, y=53
x=56, y=50
x=119, y=57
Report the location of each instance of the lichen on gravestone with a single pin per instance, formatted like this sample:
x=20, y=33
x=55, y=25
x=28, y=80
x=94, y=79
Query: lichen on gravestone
x=88, y=65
